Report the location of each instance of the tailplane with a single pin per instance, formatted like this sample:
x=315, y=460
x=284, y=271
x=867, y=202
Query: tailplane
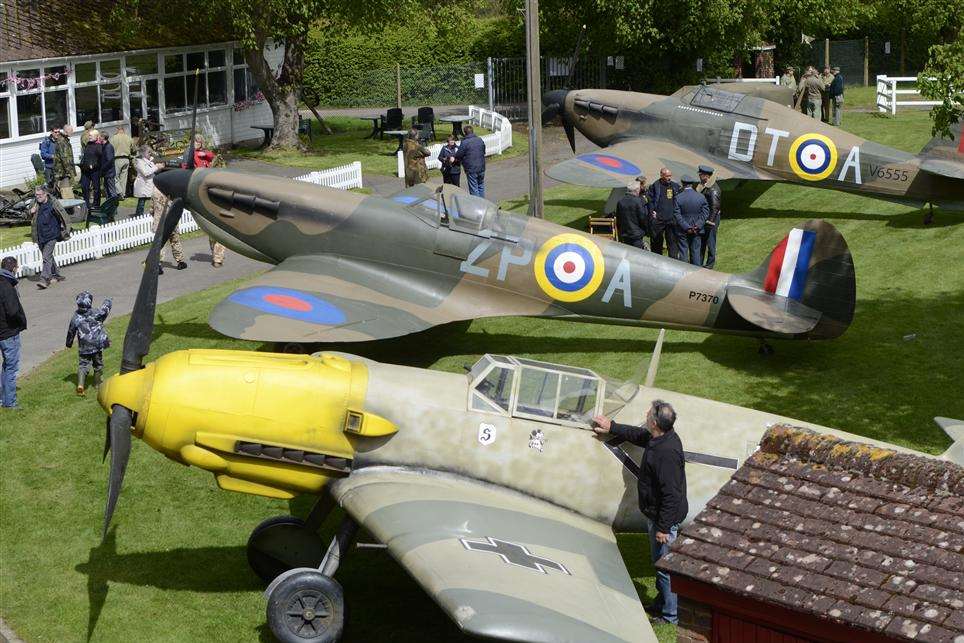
x=955, y=431
x=944, y=156
x=805, y=287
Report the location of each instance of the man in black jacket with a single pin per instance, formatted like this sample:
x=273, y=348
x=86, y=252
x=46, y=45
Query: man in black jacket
x=632, y=217
x=107, y=172
x=662, y=489
x=471, y=154
x=714, y=199
x=662, y=202
x=13, y=321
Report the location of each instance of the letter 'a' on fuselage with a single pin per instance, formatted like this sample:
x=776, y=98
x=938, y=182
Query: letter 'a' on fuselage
x=351, y=267
x=746, y=137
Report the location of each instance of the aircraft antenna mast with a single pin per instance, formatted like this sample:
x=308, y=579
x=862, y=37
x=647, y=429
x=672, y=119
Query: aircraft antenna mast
x=534, y=75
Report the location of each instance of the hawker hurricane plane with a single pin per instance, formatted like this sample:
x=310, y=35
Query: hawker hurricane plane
x=743, y=137
x=351, y=267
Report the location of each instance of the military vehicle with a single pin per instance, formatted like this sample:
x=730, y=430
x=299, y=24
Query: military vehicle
x=743, y=137
x=352, y=267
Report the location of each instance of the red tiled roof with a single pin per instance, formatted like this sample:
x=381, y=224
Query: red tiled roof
x=860, y=535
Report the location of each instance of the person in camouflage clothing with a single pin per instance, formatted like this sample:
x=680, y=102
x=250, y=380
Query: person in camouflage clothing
x=64, y=164
x=87, y=325
x=415, y=154
x=159, y=205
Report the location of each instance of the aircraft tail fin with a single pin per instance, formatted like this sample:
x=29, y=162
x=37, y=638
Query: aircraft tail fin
x=955, y=431
x=944, y=156
x=806, y=286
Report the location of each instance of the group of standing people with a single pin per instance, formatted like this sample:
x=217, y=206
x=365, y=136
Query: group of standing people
x=683, y=218
x=817, y=95
x=104, y=163
x=454, y=157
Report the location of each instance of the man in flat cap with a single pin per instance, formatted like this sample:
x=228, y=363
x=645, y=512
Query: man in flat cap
x=714, y=201
x=690, y=222
x=632, y=217
x=836, y=95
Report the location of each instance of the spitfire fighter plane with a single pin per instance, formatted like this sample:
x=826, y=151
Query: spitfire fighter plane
x=351, y=267
x=743, y=137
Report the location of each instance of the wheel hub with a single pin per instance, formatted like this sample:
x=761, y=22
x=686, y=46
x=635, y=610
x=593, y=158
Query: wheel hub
x=308, y=614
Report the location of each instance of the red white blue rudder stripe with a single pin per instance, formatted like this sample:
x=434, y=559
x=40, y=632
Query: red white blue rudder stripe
x=789, y=263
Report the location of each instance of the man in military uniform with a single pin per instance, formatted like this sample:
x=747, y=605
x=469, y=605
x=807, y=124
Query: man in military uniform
x=812, y=88
x=836, y=95
x=415, y=154
x=714, y=201
x=663, y=210
x=826, y=78
x=691, y=216
x=64, y=171
x=632, y=217
x=123, y=153
x=159, y=205
x=788, y=79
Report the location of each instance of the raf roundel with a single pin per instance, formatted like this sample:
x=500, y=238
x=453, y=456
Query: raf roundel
x=611, y=164
x=290, y=303
x=569, y=267
x=813, y=157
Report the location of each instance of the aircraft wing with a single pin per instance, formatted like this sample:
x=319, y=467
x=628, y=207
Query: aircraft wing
x=326, y=298
x=617, y=165
x=501, y=564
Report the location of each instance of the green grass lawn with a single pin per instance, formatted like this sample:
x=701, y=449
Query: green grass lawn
x=347, y=143
x=174, y=569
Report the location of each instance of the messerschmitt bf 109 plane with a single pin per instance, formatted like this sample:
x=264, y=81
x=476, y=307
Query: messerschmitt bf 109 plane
x=746, y=138
x=351, y=267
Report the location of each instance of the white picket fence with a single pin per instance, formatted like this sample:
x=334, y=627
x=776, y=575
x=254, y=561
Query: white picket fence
x=495, y=143
x=887, y=93
x=97, y=241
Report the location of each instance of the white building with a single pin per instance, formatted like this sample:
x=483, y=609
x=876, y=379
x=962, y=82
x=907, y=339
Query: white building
x=113, y=89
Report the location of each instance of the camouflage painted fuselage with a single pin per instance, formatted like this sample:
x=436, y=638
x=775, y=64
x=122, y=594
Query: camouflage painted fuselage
x=387, y=267
x=746, y=137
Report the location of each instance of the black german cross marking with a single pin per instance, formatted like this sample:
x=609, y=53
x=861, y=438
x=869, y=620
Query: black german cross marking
x=613, y=444
x=515, y=555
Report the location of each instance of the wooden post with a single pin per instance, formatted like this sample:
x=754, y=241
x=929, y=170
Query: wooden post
x=398, y=85
x=826, y=52
x=534, y=84
x=866, y=61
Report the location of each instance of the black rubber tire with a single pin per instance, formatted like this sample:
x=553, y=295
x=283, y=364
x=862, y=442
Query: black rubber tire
x=282, y=543
x=307, y=607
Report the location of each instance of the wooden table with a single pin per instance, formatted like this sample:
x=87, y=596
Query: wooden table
x=400, y=134
x=268, y=134
x=376, y=129
x=456, y=120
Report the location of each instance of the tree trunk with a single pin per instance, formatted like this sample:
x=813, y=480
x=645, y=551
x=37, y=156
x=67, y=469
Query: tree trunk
x=281, y=90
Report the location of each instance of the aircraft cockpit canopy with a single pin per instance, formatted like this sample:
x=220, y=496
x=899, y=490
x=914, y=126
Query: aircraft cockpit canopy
x=468, y=213
x=552, y=393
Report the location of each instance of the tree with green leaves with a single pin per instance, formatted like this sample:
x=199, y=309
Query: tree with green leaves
x=943, y=79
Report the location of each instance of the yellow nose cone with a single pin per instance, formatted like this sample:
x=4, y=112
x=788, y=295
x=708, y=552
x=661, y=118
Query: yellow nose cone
x=131, y=390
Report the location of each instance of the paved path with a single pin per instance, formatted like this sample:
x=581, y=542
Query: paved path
x=118, y=276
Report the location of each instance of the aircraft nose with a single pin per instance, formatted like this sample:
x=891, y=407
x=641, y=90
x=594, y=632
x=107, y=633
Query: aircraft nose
x=552, y=104
x=173, y=183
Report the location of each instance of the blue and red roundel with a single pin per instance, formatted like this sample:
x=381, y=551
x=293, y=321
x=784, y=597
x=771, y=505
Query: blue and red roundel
x=611, y=164
x=293, y=304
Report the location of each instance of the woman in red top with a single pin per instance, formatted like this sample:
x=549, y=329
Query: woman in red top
x=205, y=158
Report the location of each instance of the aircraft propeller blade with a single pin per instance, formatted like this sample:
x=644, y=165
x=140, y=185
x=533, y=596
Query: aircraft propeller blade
x=119, y=432
x=570, y=133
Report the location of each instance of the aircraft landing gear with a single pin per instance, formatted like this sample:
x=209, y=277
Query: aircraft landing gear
x=929, y=217
x=307, y=605
x=285, y=542
x=282, y=543
x=765, y=348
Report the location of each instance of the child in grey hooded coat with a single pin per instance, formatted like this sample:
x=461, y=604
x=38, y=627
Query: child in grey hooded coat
x=87, y=325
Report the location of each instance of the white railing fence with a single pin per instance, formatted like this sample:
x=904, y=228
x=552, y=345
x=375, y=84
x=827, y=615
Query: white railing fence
x=887, y=93
x=499, y=140
x=97, y=241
